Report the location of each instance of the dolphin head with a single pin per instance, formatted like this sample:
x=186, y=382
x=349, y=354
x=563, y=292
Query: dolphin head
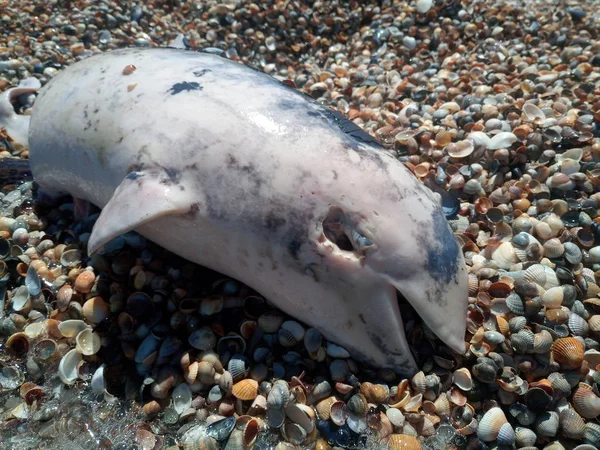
x=391, y=236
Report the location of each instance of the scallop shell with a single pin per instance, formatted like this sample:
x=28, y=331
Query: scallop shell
x=246, y=389
x=490, y=424
x=504, y=256
x=324, y=407
x=237, y=367
x=275, y=417
x=586, y=402
x=403, y=442
x=374, y=393
x=270, y=321
x=524, y=437
x=542, y=342
x=568, y=352
x=578, y=325
x=358, y=405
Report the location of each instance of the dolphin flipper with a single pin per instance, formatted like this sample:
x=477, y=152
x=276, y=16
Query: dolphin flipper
x=141, y=198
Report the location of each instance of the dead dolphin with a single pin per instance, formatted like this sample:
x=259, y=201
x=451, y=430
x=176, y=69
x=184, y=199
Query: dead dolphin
x=233, y=170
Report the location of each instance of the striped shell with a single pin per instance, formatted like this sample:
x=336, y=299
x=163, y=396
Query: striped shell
x=553, y=248
x=568, y=352
x=586, y=402
x=246, y=389
x=524, y=437
x=490, y=424
x=403, y=442
x=546, y=424
x=324, y=407
x=571, y=423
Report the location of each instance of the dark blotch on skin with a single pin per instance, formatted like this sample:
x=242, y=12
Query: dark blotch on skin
x=273, y=222
x=174, y=175
x=200, y=73
x=132, y=176
x=294, y=247
x=185, y=86
x=442, y=259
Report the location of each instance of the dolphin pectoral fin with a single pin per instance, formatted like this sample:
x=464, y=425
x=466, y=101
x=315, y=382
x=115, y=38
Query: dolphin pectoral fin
x=442, y=306
x=141, y=198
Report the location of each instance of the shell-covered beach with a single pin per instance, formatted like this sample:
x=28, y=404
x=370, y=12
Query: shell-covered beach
x=494, y=105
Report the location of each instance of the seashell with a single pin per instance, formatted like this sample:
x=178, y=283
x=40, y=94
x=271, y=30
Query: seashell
x=553, y=297
x=275, y=417
x=578, y=325
x=403, y=442
x=245, y=389
x=532, y=112
x=335, y=351
x=214, y=395
x=546, y=424
x=524, y=437
x=18, y=343
x=358, y=405
x=460, y=149
x=418, y=382
x=553, y=248
x=504, y=256
x=594, y=321
x=182, y=397
x=68, y=367
x=232, y=342
x=374, y=393
x=286, y=338
x=572, y=424
x=462, y=379
x=45, y=349
x=221, y=429
x=586, y=402
x=293, y=433
x=537, y=399
x=302, y=415
x=560, y=384
x=506, y=434
x=484, y=372
x=71, y=328
x=591, y=434
x=95, y=310
x=522, y=341
x=33, y=282
x=20, y=299
x=147, y=351
x=502, y=140
x=568, y=352
x=88, y=342
x=542, y=342
x=279, y=395
x=442, y=405
x=203, y=339
x=270, y=321
x=490, y=424
x=237, y=366
x=211, y=305
x=339, y=369
x=324, y=407
x=515, y=304
x=395, y=416
x=312, y=340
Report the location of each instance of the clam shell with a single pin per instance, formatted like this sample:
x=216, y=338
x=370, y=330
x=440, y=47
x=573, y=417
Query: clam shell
x=524, y=437
x=542, y=342
x=182, y=397
x=571, y=423
x=418, y=382
x=270, y=321
x=553, y=248
x=490, y=424
x=237, y=366
x=279, y=395
x=203, y=339
x=275, y=417
x=246, y=389
x=293, y=433
x=302, y=415
x=568, y=352
x=374, y=393
x=68, y=366
x=88, y=342
x=586, y=402
x=147, y=351
x=324, y=407
x=403, y=442
x=312, y=340
x=395, y=416
x=546, y=424
x=358, y=405
x=18, y=343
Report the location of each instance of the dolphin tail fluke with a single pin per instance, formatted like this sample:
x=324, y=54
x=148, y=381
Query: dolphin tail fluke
x=141, y=198
x=16, y=126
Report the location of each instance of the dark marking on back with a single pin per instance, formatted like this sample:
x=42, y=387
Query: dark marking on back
x=200, y=73
x=273, y=222
x=442, y=258
x=185, y=86
x=362, y=319
x=133, y=176
x=194, y=208
x=173, y=174
x=294, y=246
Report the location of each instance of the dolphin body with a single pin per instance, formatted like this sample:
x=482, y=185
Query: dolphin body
x=231, y=169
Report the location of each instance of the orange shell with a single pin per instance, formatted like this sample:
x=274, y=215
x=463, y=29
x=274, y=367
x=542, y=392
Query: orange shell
x=246, y=389
x=568, y=352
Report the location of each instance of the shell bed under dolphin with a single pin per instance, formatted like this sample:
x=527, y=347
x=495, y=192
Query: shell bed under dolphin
x=256, y=181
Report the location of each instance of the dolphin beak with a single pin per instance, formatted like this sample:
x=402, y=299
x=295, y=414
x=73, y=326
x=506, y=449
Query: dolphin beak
x=440, y=302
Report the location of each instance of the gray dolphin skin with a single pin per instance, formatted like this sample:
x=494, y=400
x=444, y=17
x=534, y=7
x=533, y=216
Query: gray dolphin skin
x=231, y=169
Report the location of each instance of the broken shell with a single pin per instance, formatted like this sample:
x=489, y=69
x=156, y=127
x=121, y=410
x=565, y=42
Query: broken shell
x=68, y=366
x=88, y=342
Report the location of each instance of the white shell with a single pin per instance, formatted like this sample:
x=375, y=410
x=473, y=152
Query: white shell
x=88, y=342
x=182, y=397
x=502, y=140
x=98, y=384
x=67, y=368
x=71, y=328
x=21, y=299
x=490, y=424
x=301, y=414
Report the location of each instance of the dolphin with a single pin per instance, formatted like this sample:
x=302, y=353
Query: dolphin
x=236, y=171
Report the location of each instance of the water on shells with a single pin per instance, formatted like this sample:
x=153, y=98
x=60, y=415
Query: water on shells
x=494, y=105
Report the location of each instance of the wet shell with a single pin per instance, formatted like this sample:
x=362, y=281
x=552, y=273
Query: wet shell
x=71, y=328
x=18, y=343
x=182, y=397
x=324, y=407
x=525, y=437
x=270, y=321
x=490, y=424
x=546, y=424
x=553, y=248
x=203, y=339
x=302, y=415
x=279, y=395
x=374, y=393
x=312, y=340
x=403, y=442
x=246, y=389
x=358, y=405
x=67, y=368
x=578, y=325
x=542, y=342
x=568, y=352
x=586, y=402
